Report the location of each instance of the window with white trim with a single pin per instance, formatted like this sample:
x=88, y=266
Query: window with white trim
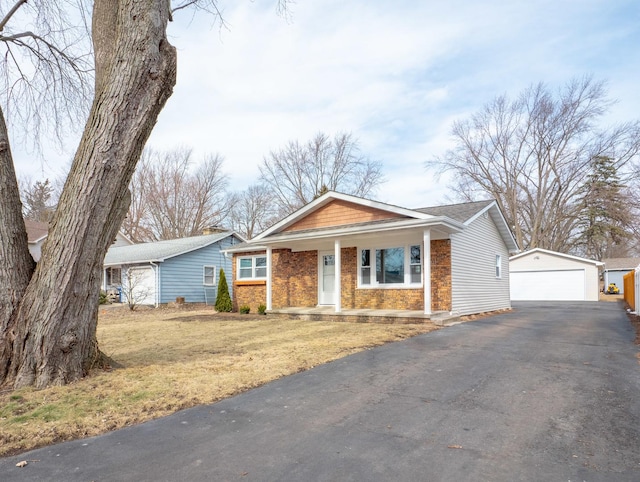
x=393, y=266
x=498, y=266
x=415, y=264
x=390, y=266
x=252, y=267
x=113, y=276
x=365, y=267
x=209, y=275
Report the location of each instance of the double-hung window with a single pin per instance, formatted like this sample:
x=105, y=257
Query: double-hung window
x=498, y=266
x=113, y=276
x=209, y=275
x=415, y=264
x=397, y=266
x=252, y=267
x=365, y=267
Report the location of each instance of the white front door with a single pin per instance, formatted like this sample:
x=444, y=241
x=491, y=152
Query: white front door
x=327, y=281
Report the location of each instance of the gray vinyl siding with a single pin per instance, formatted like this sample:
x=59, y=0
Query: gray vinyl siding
x=183, y=275
x=474, y=286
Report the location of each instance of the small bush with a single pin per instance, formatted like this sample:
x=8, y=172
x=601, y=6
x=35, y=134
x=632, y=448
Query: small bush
x=244, y=309
x=262, y=309
x=104, y=299
x=223, y=300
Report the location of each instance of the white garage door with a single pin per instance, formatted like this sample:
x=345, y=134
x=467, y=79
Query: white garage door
x=143, y=286
x=564, y=285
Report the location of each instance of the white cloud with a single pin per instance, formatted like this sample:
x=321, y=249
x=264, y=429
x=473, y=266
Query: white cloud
x=396, y=74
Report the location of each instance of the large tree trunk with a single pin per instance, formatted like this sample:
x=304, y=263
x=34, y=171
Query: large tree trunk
x=56, y=321
x=16, y=263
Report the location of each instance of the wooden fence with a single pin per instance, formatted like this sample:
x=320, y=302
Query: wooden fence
x=629, y=283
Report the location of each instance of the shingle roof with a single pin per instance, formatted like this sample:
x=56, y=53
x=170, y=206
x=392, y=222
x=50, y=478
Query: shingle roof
x=459, y=212
x=621, y=263
x=36, y=230
x=160, y=250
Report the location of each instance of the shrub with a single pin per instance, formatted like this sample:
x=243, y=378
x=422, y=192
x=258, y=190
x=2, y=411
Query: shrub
x=244, y=309
x=223, y=300
x=104, y=299
x=262, y=309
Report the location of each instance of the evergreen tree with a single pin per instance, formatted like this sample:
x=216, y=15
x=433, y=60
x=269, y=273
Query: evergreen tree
x=605, y=216
x=223, y=300
x=37, y=201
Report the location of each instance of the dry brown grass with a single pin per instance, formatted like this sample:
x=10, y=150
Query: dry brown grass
x=174, y=359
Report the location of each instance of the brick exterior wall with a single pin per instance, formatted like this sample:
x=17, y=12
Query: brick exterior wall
x=295, y=283
x=295, y=279
x=252, y=293
x=441, y=275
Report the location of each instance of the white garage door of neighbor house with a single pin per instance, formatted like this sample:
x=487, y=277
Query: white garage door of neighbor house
x=144, y=286
x=561, y=285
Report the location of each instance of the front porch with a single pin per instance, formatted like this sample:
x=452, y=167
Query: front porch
x=328, y=313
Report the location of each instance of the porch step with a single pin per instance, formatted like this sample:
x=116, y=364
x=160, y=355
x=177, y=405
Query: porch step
x=327, y=313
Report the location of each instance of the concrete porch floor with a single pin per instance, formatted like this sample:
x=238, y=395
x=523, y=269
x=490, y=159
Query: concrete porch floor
x=327, y=313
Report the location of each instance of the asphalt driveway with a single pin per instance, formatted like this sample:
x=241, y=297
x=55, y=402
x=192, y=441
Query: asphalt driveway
x=548, y=392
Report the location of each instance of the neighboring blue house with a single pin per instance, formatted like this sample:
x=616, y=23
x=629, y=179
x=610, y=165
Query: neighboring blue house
x=160, y=272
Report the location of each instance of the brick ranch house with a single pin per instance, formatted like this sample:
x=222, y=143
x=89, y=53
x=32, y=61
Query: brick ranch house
x=342, y=253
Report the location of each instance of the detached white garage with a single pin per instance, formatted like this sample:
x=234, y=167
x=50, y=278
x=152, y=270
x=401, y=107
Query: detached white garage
x=542, y=275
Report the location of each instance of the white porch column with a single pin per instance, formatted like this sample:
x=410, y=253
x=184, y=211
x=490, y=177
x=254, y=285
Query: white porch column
x=338, y=276
x=269, y=278
x=426, y=263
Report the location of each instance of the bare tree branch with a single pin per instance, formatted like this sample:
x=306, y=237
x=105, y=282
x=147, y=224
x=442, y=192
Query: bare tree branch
x=169, y=200
x=533, y=154
x=11, y=13
x=46, y=71
x=299, y=173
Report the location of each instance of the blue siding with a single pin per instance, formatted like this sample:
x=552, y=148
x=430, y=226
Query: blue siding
x=183, y=275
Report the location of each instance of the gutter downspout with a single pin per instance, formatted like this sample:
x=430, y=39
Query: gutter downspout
x=269, y=279
x=156, y=269
x=426, y=262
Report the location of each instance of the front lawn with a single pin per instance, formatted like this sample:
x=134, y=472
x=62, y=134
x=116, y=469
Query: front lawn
x=174, y=359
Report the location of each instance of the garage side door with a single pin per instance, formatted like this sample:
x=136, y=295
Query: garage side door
x=143, y=285
x=561, y=285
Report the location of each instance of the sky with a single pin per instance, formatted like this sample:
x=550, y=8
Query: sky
x=395, y=74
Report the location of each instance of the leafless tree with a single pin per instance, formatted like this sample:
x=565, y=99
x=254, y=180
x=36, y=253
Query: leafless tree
x=48, y=312
x=171, y=200
x=253, y=211
x=298, y=173
x=134, y=288
x=46, y=70
x=532, y=155
x=134, y=225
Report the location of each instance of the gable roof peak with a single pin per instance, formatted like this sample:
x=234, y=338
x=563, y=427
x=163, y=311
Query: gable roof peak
x=331, y=196
x=531, y=251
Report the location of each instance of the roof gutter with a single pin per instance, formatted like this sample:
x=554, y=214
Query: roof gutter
x=283, y=238
x=444, y=222
x=132, y=262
